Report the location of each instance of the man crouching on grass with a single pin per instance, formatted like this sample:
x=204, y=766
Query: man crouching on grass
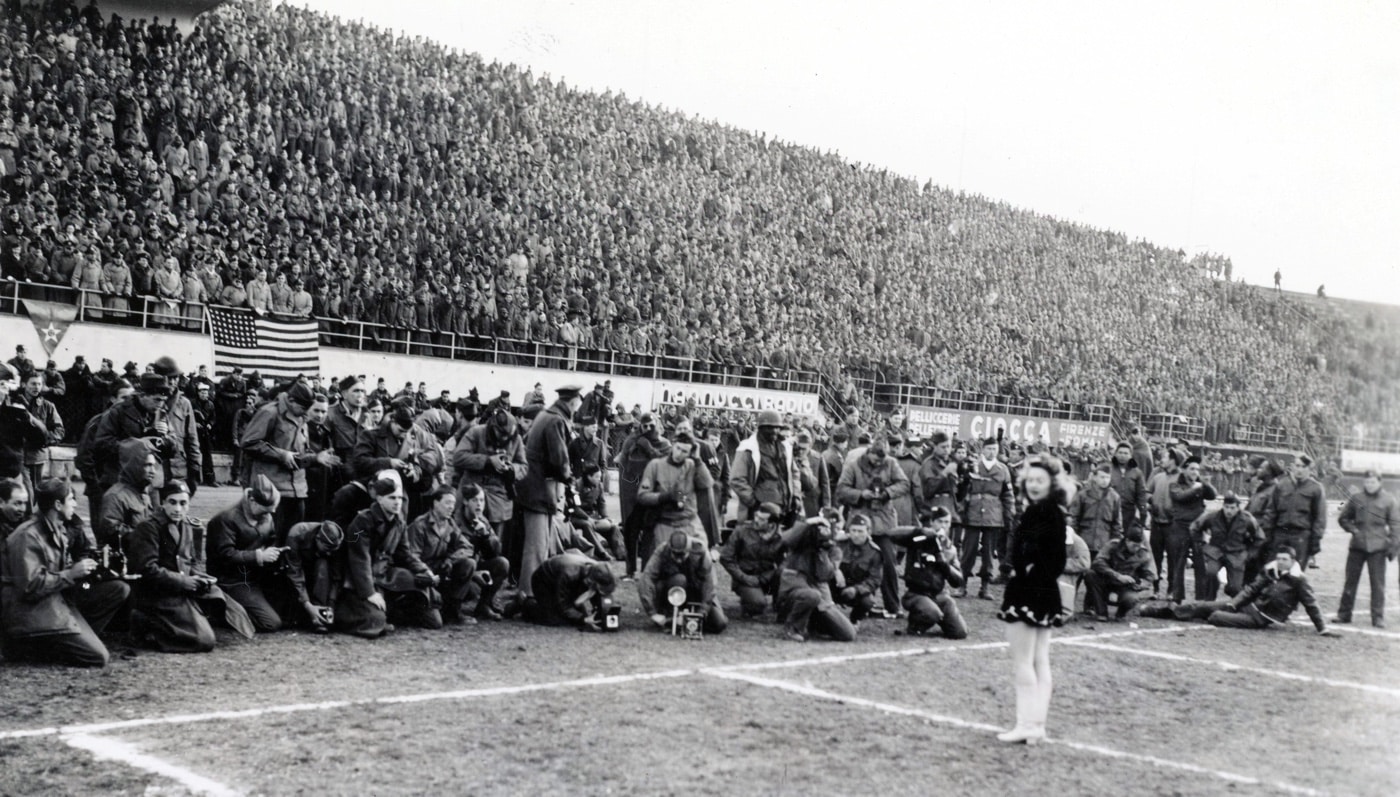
x=1266, y=602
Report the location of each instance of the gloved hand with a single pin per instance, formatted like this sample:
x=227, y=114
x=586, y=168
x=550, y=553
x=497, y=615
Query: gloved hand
x=422, y=580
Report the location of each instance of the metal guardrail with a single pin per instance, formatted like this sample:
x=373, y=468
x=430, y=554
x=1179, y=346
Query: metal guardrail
x=148, y=312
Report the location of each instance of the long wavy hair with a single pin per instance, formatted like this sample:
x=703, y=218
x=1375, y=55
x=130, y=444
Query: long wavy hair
x=1063, y=486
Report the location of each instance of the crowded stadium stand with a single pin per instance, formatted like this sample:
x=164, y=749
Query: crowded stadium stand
x=419, y=200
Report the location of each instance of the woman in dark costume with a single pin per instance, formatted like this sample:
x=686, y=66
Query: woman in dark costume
x=1031, y=606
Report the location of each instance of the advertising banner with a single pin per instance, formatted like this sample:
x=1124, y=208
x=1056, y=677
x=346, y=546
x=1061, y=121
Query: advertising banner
x=1354, y=461
x=1023, y=429
x=720, y=397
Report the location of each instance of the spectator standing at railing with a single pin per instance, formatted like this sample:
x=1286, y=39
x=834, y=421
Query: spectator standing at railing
x=260, y=293
x=87, y=279
x=195, y=298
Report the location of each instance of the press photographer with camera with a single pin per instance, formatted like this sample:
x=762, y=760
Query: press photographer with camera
x=804, y=589
x=870, y=480
x=679, y=490
x=491, y=455
x=440, y=544
x=683, y=562
x=930, y=568
x=253, y=567
x=49, y=612
x=172, y=603
x=569, y=589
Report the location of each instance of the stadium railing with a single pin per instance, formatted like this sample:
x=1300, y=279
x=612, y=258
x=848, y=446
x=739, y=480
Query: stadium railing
x=151, y=313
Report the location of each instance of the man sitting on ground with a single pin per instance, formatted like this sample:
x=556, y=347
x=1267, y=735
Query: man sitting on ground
x=1266, y=602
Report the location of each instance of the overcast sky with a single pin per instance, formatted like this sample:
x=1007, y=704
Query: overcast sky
x=1266, y=131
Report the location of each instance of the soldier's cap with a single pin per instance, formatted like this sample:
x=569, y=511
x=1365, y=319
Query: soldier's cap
x=679, y=542
x=153, y=385
x=165, y=366
x=569, y=391
x=1230, y=498
x=300, y=393
x=264, y=491
x=858, y=520
x=173, y=487
x=329, y=536
x=771, y=508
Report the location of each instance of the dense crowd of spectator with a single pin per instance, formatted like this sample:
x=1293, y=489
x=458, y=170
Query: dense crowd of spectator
x=279, y=159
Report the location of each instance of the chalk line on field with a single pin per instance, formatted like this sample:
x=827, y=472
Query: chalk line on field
x=597, y=680
x=109, y=749
x=949, y=648
x=957, y=722
x=1347, y=628
x=1226, y=665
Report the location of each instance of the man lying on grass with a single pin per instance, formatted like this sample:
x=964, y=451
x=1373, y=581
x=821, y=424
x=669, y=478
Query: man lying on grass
x=1266, y=602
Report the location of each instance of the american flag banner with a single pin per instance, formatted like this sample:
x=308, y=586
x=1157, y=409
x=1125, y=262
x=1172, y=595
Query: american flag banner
x=274, y=348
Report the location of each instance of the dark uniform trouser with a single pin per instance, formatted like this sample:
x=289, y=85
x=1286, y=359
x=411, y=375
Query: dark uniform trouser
x=93, y=608
x=810, y=609
x=1217, y=613
x=715, y=619
x=1158, y=543
x=1178, y=549
x=1099, y=588
x=754, y=600
x=1233, y=562
x=978, y=540
x=268, y=604
x=889, y=578
x=1375, y=567
x=941, y=610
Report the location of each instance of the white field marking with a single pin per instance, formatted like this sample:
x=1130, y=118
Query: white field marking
x=950, y=648
x=108, y=749
x=597, y=680
x=1230, y=666
x=942, y=719
x=1347, y=628
x=462, y=694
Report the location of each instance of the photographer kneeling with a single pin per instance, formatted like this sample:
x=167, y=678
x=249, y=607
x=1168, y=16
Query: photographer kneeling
x=52, y=613
x=684, y=562
x=804, y=595
x=929, y=569
x=569, y=589
x=175, y=597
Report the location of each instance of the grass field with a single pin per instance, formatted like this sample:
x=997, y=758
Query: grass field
x=507, y=708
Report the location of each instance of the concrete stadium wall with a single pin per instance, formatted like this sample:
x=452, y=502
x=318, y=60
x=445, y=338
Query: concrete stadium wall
x=95, y=341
